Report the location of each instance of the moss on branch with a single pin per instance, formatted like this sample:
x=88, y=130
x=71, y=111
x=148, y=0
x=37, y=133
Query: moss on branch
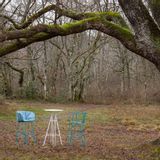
x=43, y=32
x=126, y=33
x=71, y=14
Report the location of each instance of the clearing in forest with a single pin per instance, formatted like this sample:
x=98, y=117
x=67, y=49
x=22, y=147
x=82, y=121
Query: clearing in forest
x=113, y=132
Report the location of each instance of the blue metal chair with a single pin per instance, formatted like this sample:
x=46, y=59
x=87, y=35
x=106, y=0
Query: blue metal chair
x=76, y=127
x=25, y=125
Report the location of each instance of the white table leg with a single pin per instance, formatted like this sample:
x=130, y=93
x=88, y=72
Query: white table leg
x=59, y=134
x=52, y=129
x=47, y=130
x=51, y=135
x=55, y=130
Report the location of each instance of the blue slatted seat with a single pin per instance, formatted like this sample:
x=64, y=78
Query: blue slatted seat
x=25, y=126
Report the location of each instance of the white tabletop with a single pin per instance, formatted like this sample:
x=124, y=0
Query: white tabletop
x=53, y=110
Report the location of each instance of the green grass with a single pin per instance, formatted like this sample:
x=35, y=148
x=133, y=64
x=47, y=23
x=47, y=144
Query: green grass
x=121, y=120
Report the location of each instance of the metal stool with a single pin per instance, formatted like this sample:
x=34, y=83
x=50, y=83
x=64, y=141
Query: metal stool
x=25, y=125
x=76, y=128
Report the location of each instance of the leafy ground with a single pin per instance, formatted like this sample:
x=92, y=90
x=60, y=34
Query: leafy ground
x=113, y=132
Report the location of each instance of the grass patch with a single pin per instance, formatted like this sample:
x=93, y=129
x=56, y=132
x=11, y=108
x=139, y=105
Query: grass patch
x=113, y=132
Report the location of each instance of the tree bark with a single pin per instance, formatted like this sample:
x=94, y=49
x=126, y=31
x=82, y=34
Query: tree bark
x=144, y=40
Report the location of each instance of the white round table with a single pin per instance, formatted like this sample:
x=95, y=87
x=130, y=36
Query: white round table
x=53, y=127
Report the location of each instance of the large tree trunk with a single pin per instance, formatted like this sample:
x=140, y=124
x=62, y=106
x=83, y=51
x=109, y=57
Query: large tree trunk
x=45, y=71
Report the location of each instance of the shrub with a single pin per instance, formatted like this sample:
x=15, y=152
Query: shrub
x=2, y=99
x=31, y=90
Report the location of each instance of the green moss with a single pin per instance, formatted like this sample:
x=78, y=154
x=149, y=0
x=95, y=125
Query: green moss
x=41, y=35
x=79, y=24
x=111, y=16
x=8, y=48
x=155, y=2
x=68, y=26
x=117, y=28
x=75, y=27
x=156, y=39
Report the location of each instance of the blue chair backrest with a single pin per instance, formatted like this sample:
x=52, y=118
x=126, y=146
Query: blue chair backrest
x=25, y=116
x=78, y=117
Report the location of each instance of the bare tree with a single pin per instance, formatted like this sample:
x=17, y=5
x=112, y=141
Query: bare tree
x=142, y=39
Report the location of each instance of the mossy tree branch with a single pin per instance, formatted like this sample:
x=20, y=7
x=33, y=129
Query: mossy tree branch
x=44, y=32
x=147, y=32
x=111, y=16
x=144, y=41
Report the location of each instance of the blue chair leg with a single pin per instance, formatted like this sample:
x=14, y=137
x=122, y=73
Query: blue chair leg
x=33, y=132
x=25, y=134
x=69, y=137
x=25, y=129
x=17, y=133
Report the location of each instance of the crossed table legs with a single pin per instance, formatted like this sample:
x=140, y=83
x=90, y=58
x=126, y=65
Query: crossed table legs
x=53, y=131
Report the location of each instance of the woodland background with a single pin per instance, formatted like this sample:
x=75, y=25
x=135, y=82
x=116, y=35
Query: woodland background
x=88, y=67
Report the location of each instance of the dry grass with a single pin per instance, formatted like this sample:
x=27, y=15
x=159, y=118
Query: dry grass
x=113, y=132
